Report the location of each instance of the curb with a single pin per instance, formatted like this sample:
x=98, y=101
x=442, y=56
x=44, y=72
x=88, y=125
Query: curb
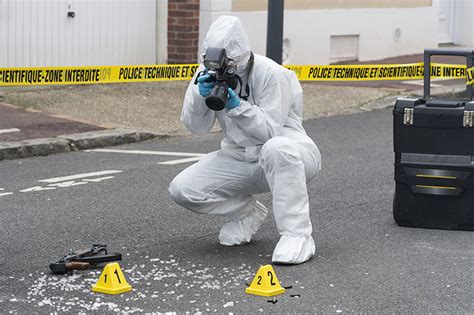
x=73, y=142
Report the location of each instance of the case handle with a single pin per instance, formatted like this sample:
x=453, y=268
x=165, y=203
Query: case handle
x=469, y=54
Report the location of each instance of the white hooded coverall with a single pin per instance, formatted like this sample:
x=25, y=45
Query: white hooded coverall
x=265, y=149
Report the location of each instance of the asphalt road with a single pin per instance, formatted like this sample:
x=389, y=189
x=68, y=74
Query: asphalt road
x=172, y=259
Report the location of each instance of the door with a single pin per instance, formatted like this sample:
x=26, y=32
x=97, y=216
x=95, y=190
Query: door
x=37, y=33
x=446, y=21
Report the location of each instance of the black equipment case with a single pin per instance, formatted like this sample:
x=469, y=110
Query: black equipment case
x=434, y=157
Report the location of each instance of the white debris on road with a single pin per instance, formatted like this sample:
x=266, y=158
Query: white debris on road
x=158, y=279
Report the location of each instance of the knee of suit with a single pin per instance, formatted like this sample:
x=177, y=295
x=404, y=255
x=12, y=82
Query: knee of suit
x=175, y=190
x=182, y=194
x=279, y=150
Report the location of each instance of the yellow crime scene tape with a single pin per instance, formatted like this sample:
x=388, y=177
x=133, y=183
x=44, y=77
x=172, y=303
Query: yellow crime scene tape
x=470, y=76
x=412, y=71
x=175, y=72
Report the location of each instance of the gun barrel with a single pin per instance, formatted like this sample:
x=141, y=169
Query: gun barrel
x=83, y=259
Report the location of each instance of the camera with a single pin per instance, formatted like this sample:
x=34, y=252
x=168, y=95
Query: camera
x=221, y=70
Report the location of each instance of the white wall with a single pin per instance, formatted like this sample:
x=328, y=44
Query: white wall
x=464, y=24
x=104, y=32
x=309, y=31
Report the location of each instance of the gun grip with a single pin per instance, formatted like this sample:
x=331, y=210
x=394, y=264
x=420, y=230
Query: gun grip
x=70, y=266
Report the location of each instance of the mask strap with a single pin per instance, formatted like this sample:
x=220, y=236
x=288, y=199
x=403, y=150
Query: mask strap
x=247, y=88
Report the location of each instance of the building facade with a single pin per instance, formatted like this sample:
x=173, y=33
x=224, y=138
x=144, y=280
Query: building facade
x=124, y=32
x=328, y=31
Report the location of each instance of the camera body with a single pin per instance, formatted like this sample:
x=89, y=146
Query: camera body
x=222, y=72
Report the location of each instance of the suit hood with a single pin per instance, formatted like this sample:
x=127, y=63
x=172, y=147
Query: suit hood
x=227, y=32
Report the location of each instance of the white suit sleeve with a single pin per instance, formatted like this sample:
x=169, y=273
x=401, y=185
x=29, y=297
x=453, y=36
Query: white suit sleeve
x=266, y=119
x=195, y=115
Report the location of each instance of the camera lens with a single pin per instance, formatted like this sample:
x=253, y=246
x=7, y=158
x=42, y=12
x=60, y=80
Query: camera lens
x=217, y=98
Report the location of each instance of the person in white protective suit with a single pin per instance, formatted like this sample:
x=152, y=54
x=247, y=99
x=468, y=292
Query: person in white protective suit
x=265, y=149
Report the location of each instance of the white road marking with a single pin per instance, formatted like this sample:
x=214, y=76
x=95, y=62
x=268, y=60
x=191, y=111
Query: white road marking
x=37, y=188
x=173, y=162
x=9, y=130
x=6, y=194
x=78, y=176
x=193, y=157
x=165, y=153
x=420, y=83
x=67, y=184
x=2, y=188
x=96, y=180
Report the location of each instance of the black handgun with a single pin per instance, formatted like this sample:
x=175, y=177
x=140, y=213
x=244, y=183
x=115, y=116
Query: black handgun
x=83, y=259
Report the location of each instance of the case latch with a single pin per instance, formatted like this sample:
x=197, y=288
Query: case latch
x=408, y=116
x=468, y=119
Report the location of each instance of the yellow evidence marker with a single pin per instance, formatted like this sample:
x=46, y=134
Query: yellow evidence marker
x=112, y=281
x=265, y=283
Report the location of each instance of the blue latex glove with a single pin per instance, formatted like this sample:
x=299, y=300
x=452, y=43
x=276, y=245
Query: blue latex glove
x=233, y=101
x=203, y=86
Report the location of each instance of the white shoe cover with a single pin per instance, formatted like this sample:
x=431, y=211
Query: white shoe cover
x=294, y=250
x=241, y=231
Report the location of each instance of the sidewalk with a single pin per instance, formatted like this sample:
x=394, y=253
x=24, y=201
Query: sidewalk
x=25, y=133
x=18, y=124
x=64, y=118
